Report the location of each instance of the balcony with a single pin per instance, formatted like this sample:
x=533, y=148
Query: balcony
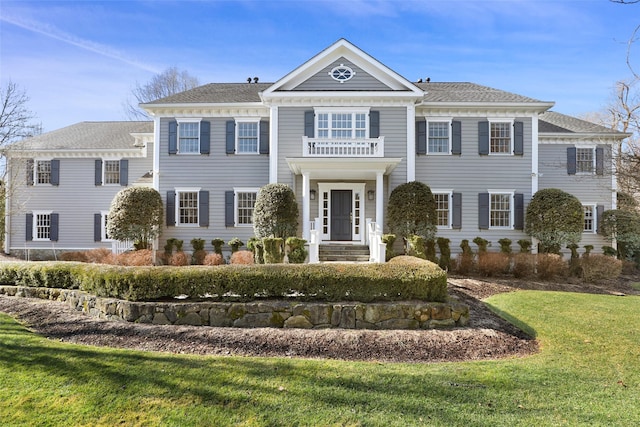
x=324, y=147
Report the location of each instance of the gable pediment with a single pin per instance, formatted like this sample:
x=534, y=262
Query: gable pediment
x=367, y=74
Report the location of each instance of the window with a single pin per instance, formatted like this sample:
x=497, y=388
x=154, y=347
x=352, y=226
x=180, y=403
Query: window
x=500, y=210
x=43, y=172
x=245, y=202
x=438, y=138
x=105, y=235
x=187, y=207
x=443, y=209
x=500, y=138
x=111, y=170
x=342, y=125
x=189, y=138
x=248, y=137
x=589, y=218
x=41, y=226
x=585, y=160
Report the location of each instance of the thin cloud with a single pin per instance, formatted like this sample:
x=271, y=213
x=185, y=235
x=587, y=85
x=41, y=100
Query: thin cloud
x=54, y=33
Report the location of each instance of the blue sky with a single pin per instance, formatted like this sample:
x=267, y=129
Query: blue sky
x=79, y=60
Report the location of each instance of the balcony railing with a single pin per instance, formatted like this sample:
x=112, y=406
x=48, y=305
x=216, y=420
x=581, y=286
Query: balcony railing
x=324, y=147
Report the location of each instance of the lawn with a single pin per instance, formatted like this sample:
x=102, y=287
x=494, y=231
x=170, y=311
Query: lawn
x=587, y=373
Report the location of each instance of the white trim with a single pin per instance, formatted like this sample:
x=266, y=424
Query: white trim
x=103, y=227
x=273, y=144
x=35, y=170
x=34, y=225
x=447, y=120
x=104, y=169
x=594, y=218
x=592, y=148
x=535, y=175
x=179, y=190
x=239, y=120
x=356, y=188
x=511, y=194
x=156, y=153
x=411, y=143
x=449, y=194
x=341, y=110
x=187, y=120
x=237, y=190
x=493, y=120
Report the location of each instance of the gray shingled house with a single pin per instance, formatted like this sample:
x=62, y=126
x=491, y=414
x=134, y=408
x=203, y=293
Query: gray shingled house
x=343, y=130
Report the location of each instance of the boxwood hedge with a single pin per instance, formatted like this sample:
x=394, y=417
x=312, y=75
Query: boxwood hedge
x=405, y=278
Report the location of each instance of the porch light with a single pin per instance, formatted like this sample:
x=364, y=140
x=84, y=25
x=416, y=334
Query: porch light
x=371, y=194
x=312, y=194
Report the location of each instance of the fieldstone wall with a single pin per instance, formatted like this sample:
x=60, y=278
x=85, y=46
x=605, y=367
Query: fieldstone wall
x=268, y=313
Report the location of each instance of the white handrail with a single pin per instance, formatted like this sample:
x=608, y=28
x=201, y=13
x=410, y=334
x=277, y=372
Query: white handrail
x=314, y=242
x=377, y=249
x=326, y=147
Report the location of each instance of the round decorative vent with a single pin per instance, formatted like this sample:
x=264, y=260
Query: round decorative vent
x=341, y=73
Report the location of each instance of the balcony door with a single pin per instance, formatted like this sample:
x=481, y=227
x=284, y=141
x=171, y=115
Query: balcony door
x=341, y=215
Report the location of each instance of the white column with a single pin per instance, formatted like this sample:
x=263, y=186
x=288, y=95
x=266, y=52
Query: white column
x=380, y=200
x=273, y=145
x=411, y=143
x=534, y=155
x=306, y=229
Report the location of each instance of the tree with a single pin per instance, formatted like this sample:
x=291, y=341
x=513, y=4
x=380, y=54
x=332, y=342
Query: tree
x=169, y=82
x=135, y=214
x=275, y=213
x=624, y=227
x=15, y=117
x=411, y=211
x=555, y=218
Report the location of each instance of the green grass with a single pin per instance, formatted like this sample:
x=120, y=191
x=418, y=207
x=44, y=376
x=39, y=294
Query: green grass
x=587, y=373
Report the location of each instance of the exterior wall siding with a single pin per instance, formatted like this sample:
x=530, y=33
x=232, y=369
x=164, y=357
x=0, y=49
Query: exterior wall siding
x=323, y=81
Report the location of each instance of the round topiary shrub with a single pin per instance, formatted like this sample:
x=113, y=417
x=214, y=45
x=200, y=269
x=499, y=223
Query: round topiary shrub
x=411, y=210
x=276, y=212
x=555, y=218
x=135, y=214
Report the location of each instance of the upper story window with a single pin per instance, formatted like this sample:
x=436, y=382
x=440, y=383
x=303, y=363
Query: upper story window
x=189, y=137
x=111, y=170
x=585, y=160
x=342, y=125
x=438, y=141
x=245, y=200
x=500, y=138
x=247, y=134
x=43, y=172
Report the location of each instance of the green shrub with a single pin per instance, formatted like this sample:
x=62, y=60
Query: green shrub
x=430, y=250
x=275, y=213
x=505, y=246
x=482, y=244
x=464, y=261
x=587, y=250
x=596, y=268
x=217, y=245
x=168, y=247
x=235, y=244
x=525, y=246
x=198, y=251
x=445, y=253
x=389, y=239
x=411, y=210
x=297, y=253
x=178, y=244
x=136, y=214
x=255, y=245
x=574, y=262
x=466, y=249
x=416, y=246
x=555, y=218
x=624, y=226
x=609, y=251
x=273, y=250
x=65, y=275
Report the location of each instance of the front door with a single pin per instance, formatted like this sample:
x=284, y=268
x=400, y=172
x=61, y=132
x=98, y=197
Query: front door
x=341, y=214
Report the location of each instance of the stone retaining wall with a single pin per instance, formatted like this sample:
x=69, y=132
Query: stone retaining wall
x=268, y=313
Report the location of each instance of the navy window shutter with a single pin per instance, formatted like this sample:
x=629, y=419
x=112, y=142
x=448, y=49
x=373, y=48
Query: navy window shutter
x=571, y=160
x=97, y=227
x=29, y=227
x=30, y=168
x=231, y=136
x=173, y=137
x=374, y=124
x=53, y=231
x=203, y=208
x=264, y=137
x=205, y=137
x=421, y=137
x=518, y=211
x=599, y=213
x=55, y=172
x=483, y=211
x=599, y=161
x=309, y=124
x=483, y=138
x=518, y=138
x=456, y=137
x=171, y=208
x=229, y=217
x=124, y=172
x=456, y=217
x=98, y=174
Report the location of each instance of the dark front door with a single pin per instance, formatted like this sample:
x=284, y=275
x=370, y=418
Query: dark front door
x=341, y=215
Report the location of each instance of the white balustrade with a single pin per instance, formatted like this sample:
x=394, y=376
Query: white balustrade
x=324, y=147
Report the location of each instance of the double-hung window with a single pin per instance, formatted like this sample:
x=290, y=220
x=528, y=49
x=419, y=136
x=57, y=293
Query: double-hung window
x=187, y=207
x=189, y=137
x=439, y=137
x=589, y=218
x=443, y=209
x=42, y=226
x=248, y=137
x=585, y=160
x=500, y=137
x=105, y=234
x=43, y=172
x=500, y=210
x=245, y=200
x=111, y=170
x=342, y=124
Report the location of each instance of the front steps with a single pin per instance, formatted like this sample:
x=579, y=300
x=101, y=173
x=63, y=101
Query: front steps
x=343, y=252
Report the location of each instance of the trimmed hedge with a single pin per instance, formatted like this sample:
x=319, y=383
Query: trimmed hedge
x=404, y=278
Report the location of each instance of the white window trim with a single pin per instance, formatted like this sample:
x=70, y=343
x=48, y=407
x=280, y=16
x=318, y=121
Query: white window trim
x=35, y=170
x=103, y=226
x=342, y=110
x=247, y=120
x=34, y=229
x=441, y=120
x=235, y=204
x=104, y=170
x=594, y=218
x=591, y=147
x=510, y=121
x=449, y=193
x=197, y=152
x=511, y=194
x=179, y=190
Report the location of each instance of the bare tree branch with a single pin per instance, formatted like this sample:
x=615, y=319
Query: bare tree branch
x=15, y=117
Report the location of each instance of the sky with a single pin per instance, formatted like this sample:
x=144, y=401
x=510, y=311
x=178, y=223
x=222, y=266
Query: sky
x=79, y=60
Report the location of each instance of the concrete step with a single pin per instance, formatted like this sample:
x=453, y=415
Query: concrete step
x=344, y=252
